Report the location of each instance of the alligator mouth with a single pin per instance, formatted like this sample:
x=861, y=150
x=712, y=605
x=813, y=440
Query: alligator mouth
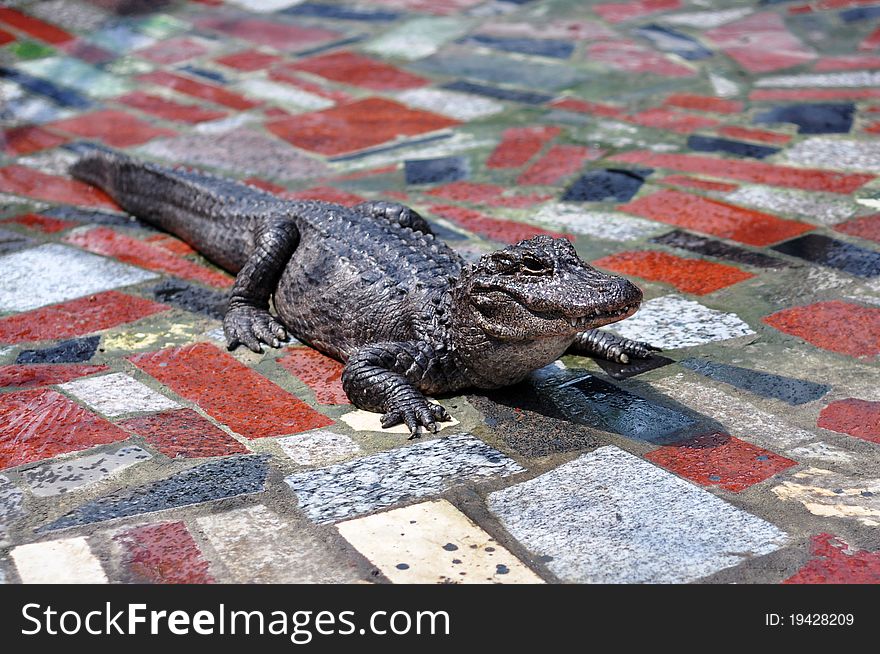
x=598, y=318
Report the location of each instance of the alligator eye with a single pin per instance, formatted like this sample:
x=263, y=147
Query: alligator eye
x=504, y=264
x=532, y=265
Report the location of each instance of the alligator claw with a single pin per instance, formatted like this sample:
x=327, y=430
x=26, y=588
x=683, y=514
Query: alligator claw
x=249, y=326
x=415, y=416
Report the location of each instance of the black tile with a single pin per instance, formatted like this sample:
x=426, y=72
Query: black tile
x=512, y=95
x=826, y=251
x=541, y=47
x=718, y=249
x=436, y=171
x=318, y=10
x=634, y=367
x=607, y=184
x=75, y=350
x=11, y=241
x=820, y=118
x=788, y=389
x=702, y=143
x=670, y=40
x=190, y=297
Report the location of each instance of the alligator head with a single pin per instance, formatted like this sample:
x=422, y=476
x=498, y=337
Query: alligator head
x=540, y=288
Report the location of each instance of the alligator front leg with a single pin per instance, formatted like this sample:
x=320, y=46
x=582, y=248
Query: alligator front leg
x=395, y=213
x=247, y=319
x=610, y=346
x=385, y=377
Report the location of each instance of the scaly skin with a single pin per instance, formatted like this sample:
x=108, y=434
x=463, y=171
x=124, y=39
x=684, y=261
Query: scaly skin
x=374, y=288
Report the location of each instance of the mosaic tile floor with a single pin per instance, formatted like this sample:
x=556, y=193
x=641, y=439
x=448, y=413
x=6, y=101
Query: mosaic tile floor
x=724, y=155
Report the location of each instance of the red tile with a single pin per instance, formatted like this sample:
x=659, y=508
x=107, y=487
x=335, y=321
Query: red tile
x=834, y=561
x=229, y=391
x=871, y=42
x=172, y=51
x=808, y=179
x=42, y=223
x=320, y=373
x=45, y=374
x=357, y=70
x=164, y=553
x=287, y=74
x=184, y=433
x=689, y=275
x=704, y=103
x=585, y=107
x=847, y=62
x=168, y=109
x=39, y=424
x=266, y=186
x=275, y=34
x=106, y=241
x=196, y=89
x=519, y=144
x=171, y=243
x=631, y=57
x=28, y=139
x=695, y=182
x=873, y=128
x=78, y=317
x=836, y=326
x=720, y=460
x=760, y=43
x=356, y=126
x=6, y=37
x=372, y=172
x=248, y=60
x=34, y=27
x=558, y=163
x=859, y=418
x=866, y=227
x=749, y=134
x=675, y=121
x=21, y=180
x=506, y=231
x=617, y=12
x=115, y=128
x=713, y=217
x=326, y=194
x=814, y=94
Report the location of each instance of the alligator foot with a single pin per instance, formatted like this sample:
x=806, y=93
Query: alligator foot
x=611, y=346
x=415, y=412
x=249, y=326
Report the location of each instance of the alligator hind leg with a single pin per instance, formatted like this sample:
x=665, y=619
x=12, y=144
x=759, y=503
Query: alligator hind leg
x=396, y=213
x=247, y=319
x=610, y=346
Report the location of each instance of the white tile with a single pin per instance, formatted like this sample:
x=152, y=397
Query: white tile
x=611, y=517
x=54, y=273
x=66, y=561
x=822, y=451
x=811, y=80
x=318, y=447
x=823, y=152
x=116, y=394
x=833, y=495
x=604, y=225
x=257, y=547
x=418, y=38
x=826, y=208
x=433, y=543
x=461, y=106
x=671, y=322
x=361, y=420
x=722, y=86
x=705, y=19
x=57, y=478
x=264, y=6
x=283, y=94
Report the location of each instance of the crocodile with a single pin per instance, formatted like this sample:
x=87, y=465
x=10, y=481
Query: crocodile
x=373, y=287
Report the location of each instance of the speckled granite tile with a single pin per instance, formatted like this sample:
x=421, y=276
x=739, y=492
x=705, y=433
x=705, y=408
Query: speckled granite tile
x=58, y=478
x=461, y=106
x=417, y=38
x=318, y=447
x=365, y=485
x=835, y=153
x=610, y=517
x=53, y=273
x=258, y=546
x=433, y=543
x=117, y=394
x=11, y=507
x=825, y=208
x=671, y=322
x=229, y=477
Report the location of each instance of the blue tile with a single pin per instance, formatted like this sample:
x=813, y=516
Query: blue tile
x=859, y=13
x=75, y=350
x=436, y=171
x=539, y=47
x=91, y=217
x=669, y=40
x=211, y=75
x=60, y=95
x=822, y=118
x=713, y=144
x=607, y=185
x=511, y=95
x=827, y=251
x=611, y=408
x=789, y=390
x=318, y=10
x=718, y=249
x=11, y=241
x=229, y=477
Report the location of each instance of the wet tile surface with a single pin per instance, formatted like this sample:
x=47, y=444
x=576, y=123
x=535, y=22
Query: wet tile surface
x=725, y=154
x=433, y=543
x=374, y=482
x=834, y=561
x=609, y=517
x=58, y=478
